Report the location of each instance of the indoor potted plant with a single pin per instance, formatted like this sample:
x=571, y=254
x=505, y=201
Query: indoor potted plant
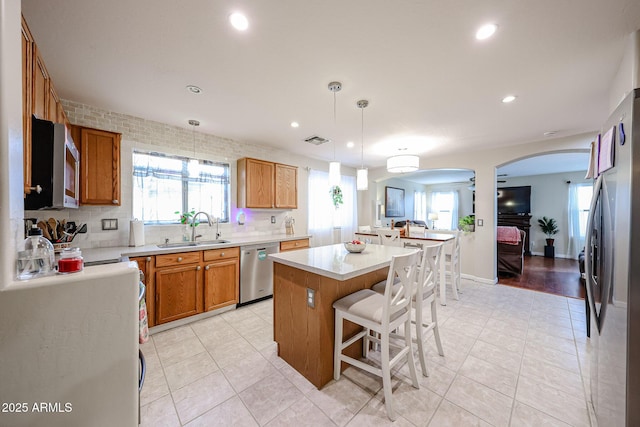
x=467, y=223
x=336, y=196
x=550, y=228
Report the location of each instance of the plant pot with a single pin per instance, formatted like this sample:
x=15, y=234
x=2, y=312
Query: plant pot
x=550, y=242
x=549, y=252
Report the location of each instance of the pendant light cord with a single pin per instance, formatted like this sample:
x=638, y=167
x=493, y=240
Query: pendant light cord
x=362, y=140
x=334, y=125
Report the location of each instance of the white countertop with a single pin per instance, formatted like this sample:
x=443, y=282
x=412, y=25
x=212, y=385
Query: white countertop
x=114, y=253
x=336, y=262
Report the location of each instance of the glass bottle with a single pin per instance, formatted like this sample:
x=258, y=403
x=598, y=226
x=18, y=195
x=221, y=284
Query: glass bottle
x=35, y=256
x=70, y=261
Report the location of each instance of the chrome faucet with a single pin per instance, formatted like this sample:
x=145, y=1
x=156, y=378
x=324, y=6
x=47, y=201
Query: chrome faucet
x=193, y=224
x=217, y=228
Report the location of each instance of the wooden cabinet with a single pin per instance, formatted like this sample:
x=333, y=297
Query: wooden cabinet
x=221, y=277
x=292, y=245
x=267, y=185
x=99, y=166
x=178, y=282
x=39, y=97
x=146, y=264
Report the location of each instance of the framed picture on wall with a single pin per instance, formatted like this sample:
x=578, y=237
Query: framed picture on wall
x=394, y=202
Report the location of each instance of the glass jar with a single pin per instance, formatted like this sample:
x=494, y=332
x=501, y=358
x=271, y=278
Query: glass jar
x=35, y=256
x=70, y=261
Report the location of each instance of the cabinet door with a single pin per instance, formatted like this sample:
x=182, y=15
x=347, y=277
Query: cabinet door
x=259, y=185
x=99, y=167
x=178, y=292
x=286, y=186
x=40, y=89
x=292, y=245
x=145, y=264
x=221, y=283
x=27, y=87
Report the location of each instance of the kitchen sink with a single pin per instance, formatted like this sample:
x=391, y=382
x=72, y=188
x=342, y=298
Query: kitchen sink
x=190, y=244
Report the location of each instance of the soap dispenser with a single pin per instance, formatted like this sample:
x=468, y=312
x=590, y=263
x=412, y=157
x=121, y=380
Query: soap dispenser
x=36, y=256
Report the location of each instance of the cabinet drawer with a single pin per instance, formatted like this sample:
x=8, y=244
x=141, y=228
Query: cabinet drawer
x=294, y=244
x=177, y=259
x=218, y=254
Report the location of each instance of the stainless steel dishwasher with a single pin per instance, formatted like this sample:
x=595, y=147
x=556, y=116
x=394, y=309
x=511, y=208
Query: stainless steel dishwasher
x=256, y=271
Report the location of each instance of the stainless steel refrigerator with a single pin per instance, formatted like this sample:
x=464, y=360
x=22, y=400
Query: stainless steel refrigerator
x=612, y=270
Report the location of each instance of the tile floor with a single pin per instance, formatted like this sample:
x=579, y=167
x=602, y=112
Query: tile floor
x=513, y=357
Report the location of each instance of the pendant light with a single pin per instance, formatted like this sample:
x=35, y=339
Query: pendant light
x=334, y=166
x=403, y=163
x=362, y=174
x=194, y=164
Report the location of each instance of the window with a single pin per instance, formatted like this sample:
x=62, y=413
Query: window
x=164, y=185
x=445, y=204
x=579, y=204
x=420, y=206
x=584, y=204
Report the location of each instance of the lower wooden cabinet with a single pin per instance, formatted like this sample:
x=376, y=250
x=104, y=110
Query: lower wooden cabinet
x=146, y=264
x=292, y=245
x=179, y=292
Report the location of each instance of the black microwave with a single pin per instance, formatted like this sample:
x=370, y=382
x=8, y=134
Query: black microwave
x=55, y=167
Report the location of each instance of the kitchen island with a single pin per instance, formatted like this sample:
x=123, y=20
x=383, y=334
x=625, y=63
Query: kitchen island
x=306, y=284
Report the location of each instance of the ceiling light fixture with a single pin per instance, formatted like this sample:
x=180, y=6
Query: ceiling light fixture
x=239, y=21
x=403, y=163
x=194, y=89
x=194, y=164
x=362, y=174
x=509, y=98
x=350, y=144
x=486, y=31
x=295, y=124
x=334, y=166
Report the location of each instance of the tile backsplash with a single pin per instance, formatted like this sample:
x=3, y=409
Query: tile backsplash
x=148, y=135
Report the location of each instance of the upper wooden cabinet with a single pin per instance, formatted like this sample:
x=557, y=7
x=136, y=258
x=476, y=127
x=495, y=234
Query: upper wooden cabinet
x=39, y=97
x=99, y=166
x=267, y=185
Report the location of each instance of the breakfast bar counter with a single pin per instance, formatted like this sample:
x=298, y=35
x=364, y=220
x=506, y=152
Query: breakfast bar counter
x=306, y=283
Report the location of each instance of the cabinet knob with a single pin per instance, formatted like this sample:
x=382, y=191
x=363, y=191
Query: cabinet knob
x=296, y=243
x=198, y=268
x=207, y=267
x=114, y=201
x=148, y=259
x=221, y=253
x=179, y=259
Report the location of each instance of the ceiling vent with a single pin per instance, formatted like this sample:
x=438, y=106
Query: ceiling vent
x=316, y=140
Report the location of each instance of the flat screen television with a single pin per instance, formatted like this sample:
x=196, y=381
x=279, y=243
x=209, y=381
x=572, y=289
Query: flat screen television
x=514, y=200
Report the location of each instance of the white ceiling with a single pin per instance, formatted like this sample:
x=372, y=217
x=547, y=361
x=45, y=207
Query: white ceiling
x=433, y=88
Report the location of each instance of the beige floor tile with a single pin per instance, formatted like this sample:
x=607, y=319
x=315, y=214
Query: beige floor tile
x=210, y=325
x=514, y=327
x=510, y=360
x=480, y=400
x=567, y=381
x=501, y=340
x=248, y=371
x=526, y=416
x=269, y=397
x=550, y=355
x=189, y=370
x=202, y=395
x=159, y=413
x=438, y=381
x=461, y=326
x=271, y=354
x=242, y=313
x=566, y=407
x=491, y=375
x=374, y=414
x=296, y=379
x=365, y=380
x=415, y=405
x=231, y=413
x=340, y=400
x=557, y=343
x=541, y=329
x=172, y=336
x=218, y=336
x=301, y=413
x=230, y=352
x=251, y=324
x=175, y=352
x=450, y=415
x=155, y=386
x=260, y=338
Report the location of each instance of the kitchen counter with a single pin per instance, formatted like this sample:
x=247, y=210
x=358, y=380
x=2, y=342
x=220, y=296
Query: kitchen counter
x=91, y=255
x=306, y=284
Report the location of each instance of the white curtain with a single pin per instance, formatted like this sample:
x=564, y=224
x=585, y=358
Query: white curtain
x=329, y=225
x=420, y=205
x=445, y=204
x=578, y=209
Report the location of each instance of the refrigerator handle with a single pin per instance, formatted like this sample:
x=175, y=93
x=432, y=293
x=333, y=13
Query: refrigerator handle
x=588, y=253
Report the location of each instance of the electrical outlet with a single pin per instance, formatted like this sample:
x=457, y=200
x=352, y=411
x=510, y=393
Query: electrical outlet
x=480, y=222
x=110, y=224
x=311, y=298
x=273, y=219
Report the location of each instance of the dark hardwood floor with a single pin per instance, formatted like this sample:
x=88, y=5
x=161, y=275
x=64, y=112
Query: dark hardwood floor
x=558, y=276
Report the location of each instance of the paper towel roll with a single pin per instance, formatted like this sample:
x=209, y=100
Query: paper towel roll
x=136, y=233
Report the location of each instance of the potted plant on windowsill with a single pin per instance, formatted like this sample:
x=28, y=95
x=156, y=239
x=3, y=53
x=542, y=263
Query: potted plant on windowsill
x=550, y=228
x=467, y=223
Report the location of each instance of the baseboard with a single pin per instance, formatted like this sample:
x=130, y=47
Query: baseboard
x=479, y=279
x=556, y=255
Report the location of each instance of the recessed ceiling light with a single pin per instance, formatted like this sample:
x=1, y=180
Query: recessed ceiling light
x=295, y=124
x=350, y=144
x=486, y=31
x=239, y=21
x=194, y=89
x=550, y=133
x=509, y=98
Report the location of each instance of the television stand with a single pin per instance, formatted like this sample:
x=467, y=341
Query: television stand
x=522, y=221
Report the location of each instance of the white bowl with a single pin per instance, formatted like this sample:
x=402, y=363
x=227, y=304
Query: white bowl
x=355, y=247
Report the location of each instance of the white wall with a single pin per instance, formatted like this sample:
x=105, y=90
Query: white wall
x=409, y=189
